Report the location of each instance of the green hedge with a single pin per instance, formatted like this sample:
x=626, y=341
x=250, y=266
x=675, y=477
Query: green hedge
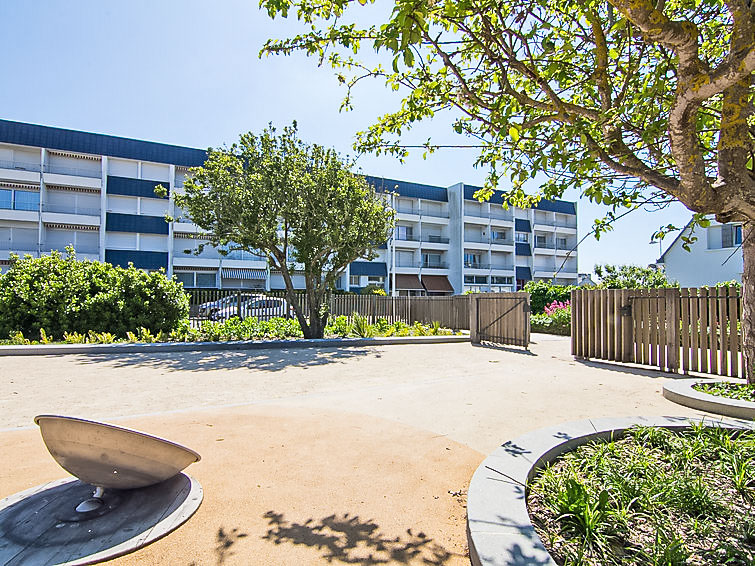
x=62, y=294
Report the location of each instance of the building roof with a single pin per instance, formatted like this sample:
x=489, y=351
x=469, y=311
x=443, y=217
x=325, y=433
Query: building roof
x=673, y=243
x=407, y=189
x=98, y=144
x=551, y=205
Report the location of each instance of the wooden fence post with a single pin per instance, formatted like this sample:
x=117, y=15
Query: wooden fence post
x=673, y=298
x=474, y=331
x=627, y=327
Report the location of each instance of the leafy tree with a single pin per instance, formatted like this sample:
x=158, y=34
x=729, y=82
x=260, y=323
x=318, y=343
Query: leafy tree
x=296, y=203
x=631, y=277
x=631, y=102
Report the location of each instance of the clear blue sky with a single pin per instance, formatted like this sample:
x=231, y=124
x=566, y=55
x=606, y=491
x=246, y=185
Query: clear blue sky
x=187, y=72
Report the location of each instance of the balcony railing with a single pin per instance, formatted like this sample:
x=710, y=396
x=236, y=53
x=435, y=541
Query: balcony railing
x=406, y=263
x=245, y=256
x=498, y=214
x=76, y=171
x=476, y=265
x=435, y=239
x=407, y=209
x=19, y=165
x=477, y=239
x=78, y=249
x=546, y=245
x=567, y=224
x=502, y=241
x=434, y=265
x=560, y=223
x=20, y=249
x=434, y=213
x=406, y=238
x=68, y=209
x=502, y=266
x=476, y=212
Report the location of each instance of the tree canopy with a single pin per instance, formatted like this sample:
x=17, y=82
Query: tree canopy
x=631, y=277
x=294, y=202
x=630, y=102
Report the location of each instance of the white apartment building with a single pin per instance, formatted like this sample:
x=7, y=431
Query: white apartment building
x=96, y=192
x=716, y=256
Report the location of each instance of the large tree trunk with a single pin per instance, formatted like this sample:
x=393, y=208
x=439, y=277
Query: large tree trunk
x=748, y=300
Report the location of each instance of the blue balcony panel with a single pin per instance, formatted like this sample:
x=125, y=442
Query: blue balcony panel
x=523, y=249
x=369, y=268
x=523, y=273
x=141, y=260
x=134, y=187
x=522, y=225
x=117, y=222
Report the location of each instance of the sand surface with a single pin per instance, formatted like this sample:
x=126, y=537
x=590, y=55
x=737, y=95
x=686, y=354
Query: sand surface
x=353, y=456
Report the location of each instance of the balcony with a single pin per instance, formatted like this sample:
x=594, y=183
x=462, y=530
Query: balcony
x=434, y=265
x=88, y=250
x=406, y=263
x=434, y=213
x=73, y=171
x=406, y=209
x=502, y=266
x=432, y=239
x=476, y=238
x=405, y=238
x=544, y=245
x=476, y=265
x=498, y=213
x=502, y=241
x=20, y=165
x=70, y=209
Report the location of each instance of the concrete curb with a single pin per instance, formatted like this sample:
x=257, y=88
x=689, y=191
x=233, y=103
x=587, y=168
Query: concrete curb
x=157, y=348
x=499, y=530
x=681, y=392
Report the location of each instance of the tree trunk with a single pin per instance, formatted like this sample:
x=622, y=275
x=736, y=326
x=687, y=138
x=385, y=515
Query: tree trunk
x=748, y=300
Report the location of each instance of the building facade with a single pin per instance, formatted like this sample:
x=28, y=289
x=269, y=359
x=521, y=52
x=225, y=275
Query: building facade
x=96, y=193
x=715, y=257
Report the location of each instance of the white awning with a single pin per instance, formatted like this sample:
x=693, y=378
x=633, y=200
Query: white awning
x=243, y=273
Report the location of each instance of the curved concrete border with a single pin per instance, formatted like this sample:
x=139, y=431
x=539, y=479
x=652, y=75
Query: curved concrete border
x=499, y=530
x=683, y=393
x=159, y=347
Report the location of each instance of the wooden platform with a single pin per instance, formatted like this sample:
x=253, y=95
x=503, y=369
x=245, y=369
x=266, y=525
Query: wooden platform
x=40, y=526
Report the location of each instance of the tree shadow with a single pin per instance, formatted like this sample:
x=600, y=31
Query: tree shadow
x=274, y=359
x=350, y=540
x=225, y=541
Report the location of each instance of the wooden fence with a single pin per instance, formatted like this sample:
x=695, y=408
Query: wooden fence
x=675, y=329
x=501, y=318
x=451, y=312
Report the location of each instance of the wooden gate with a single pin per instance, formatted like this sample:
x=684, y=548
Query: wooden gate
x=673, y=329
x=501, y=318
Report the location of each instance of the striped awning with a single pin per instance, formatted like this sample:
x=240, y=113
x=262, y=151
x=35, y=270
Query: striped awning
x=243, y=273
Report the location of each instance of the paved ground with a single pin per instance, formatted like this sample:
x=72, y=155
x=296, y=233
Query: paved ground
x=353, y=456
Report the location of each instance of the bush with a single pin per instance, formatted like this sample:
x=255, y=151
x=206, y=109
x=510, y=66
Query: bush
x=555, y=320
x=64, y=295
x=544, y=293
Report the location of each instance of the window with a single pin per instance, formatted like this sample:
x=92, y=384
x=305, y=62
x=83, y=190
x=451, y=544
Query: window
x=6, y=198
x=26, y=200
x=431, y=260
x=561, y=243
x=404, y=233
x=476, y=279
x=522, y=237
x=186, y=278
x=501, y=280
x=499, y=235
x=539, y=240
x=206, y=280
x=731, y=235
x=354, y=280
x=376, y=280
x=472, y=260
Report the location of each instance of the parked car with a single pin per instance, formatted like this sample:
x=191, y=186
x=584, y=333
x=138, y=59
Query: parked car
x=259, y=306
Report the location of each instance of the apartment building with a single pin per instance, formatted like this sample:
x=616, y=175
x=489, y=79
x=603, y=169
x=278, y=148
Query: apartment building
x=716, y=255
x=96, y=192
x=447, y=242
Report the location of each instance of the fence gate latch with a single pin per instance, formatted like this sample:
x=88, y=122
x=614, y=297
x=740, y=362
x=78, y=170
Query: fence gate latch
x=526, y=307
x=626, y=310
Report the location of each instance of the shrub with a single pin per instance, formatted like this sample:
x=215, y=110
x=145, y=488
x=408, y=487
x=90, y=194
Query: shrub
x=544, y=293
x=373, y=289
x=62, y=294
x=555, y=320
